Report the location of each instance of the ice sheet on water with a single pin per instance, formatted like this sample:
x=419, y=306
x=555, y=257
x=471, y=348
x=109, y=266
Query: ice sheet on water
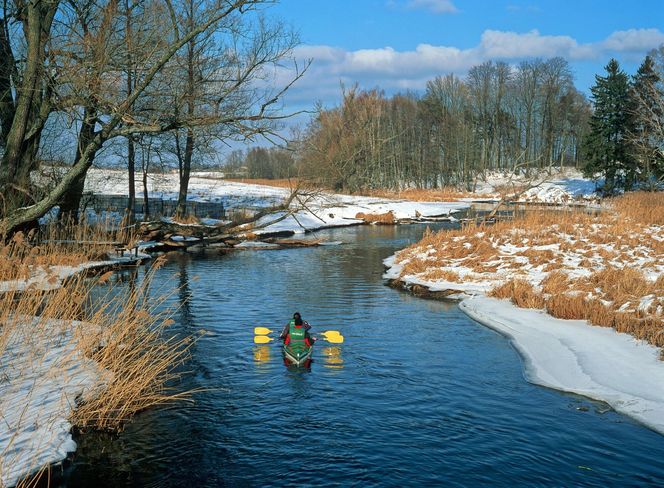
x=573, y=356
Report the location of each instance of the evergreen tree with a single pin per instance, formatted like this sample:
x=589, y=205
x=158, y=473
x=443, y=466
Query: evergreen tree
x=647, y=105
x=606, y=146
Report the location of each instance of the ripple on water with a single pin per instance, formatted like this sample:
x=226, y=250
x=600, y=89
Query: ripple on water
x=417, y=394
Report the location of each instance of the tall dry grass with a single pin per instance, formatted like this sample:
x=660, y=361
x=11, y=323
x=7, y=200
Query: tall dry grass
x=136, y=348
x=604, y=267
x=445, y=194
x=384, y=218
x=279, y=183
x=126, y=334
x=63, y=243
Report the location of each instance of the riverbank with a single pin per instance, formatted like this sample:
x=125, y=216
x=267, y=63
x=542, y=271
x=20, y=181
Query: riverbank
x=63, y=363
x=603, y=268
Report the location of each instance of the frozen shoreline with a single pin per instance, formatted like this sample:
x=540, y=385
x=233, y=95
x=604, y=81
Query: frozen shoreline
x=567, y=355
x=573, y=356
x=43, y=376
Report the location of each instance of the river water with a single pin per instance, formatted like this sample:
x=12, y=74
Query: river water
x=417, y=395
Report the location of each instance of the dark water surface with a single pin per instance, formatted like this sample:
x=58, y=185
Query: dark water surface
x=417, y=395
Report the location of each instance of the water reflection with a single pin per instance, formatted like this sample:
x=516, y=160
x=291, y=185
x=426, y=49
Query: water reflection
x=332, y=357
x=262, y=356
x=418, y=395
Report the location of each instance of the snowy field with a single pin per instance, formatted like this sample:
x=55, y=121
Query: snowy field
x=312, y=211
x=561, y=188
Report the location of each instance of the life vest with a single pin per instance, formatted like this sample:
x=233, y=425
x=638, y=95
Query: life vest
x=297, y=336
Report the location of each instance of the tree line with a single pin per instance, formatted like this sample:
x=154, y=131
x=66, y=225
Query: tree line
x=523, y=118
x=625, y=143
x=496, y=118
x=150, y=79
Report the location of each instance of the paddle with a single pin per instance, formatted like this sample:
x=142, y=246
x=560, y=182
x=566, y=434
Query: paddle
x=261, y=337
x=333, y=336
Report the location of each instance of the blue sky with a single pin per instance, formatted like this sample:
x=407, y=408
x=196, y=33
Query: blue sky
x=400, y=44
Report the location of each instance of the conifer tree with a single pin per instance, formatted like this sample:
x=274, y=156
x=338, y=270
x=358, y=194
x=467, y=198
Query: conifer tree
x=647, y=105
x=606, y=146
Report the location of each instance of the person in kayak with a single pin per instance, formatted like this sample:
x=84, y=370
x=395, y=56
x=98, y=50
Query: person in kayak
x=295, y=326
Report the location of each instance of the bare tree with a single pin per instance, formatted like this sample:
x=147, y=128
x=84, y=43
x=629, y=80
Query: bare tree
x=114, y=111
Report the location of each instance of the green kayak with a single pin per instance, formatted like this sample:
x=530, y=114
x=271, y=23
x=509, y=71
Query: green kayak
x=298, y=354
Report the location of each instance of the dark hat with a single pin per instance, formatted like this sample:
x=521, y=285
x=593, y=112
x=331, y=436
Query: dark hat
x=297, y=315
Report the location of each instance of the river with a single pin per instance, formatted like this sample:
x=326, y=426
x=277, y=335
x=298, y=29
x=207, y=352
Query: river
x=417, y=395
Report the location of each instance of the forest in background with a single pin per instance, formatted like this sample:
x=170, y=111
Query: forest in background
x=152, y=86
x=498, y=118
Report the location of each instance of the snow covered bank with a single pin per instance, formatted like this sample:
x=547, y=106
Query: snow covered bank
x=560, y=188
x=570, y=355
x=52, y=277
x=341, y=210
x=42, y=377
x=600, y=268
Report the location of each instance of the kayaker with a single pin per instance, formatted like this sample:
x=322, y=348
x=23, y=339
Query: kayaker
x=297, y=323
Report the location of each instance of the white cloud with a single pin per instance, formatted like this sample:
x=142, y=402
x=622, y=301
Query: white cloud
x=633, y=40
x=435, y=6
x=510, y=45
x=394, y=70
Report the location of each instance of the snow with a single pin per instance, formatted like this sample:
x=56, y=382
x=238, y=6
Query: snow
x=51, y=278
x=570, y=355
x=561, y=187
x=43, y=377
x=341, y=210
x=202, y=188
x=322, y=209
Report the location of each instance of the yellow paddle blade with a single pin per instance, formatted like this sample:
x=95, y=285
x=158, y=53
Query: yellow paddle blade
x=331, y=333
x=261, y=339
x=334, y=339
x=262, y=331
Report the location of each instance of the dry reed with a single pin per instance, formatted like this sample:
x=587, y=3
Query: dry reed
x=445, y=194
x=290, y=183
x=384, y=218
x=589, y=265
x=125, y=334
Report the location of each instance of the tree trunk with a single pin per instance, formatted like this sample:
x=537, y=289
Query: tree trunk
x=146, y=203
x=71, y=200
x=185, y=172
x=23, y=137
x=7, y=67
x=131, y=168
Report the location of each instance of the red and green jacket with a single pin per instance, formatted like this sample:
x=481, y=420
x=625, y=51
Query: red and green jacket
x=297, y=336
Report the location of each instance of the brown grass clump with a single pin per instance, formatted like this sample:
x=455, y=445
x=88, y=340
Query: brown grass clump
x=555, y=283
x=186, y=219
x=442, y=274
x=384, y=218
x=445, y=194
x=520, y=292
x=620, y=285
x=641, y=207
x=279, y=183
x=539, y=257
x=567, y=306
